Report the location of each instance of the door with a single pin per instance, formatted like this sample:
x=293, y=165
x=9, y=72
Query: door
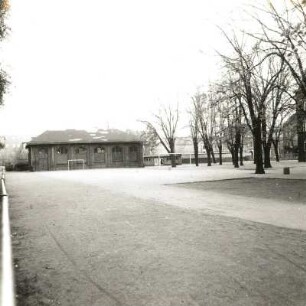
x=42, y=159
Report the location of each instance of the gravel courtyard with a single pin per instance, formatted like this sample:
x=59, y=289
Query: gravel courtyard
x=145, y=237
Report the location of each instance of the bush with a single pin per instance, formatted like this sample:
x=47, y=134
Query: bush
x=22, y=166
x=9, y=167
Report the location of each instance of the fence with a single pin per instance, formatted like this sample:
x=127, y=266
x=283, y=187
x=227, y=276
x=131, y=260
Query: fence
x=188, y=158
x=6, y=268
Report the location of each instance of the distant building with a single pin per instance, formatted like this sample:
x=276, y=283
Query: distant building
x=75, y=149
x=297, y=122
x=185, y=152
x=290, y=136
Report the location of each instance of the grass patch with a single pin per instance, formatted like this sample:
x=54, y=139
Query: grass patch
x=264, y=188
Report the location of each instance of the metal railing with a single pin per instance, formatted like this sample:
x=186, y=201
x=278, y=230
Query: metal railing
x=7, y=270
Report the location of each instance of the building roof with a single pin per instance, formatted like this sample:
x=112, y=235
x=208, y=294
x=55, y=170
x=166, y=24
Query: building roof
x=82, y=136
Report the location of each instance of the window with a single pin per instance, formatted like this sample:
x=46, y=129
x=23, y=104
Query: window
x=80, y=150
x=99, y=154
x=42, y=152
x=99, y=150
x=61, y=150
x=117, y=154
x=61, y=155
x=133, y=153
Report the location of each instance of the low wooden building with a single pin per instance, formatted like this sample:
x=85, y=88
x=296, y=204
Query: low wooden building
x=77, y=149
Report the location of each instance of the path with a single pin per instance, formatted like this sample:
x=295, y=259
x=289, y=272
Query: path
x=110, y=237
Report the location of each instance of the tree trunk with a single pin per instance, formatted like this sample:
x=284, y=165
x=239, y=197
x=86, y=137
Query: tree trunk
x=241, y=154
x=267, y=160
x=196, y=150
x=236, y=149
x=300, y=130
x=236, y=156
x=258, y=148
x=207, y=148
x=172, y=150
x=220, y=153
x=275, y=145
x=254, y=151
x=231, y=149
x=301, y=151
x=213, y=155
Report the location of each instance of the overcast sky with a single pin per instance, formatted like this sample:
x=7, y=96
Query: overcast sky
x=97, y=63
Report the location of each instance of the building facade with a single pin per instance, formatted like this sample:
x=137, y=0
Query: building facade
x=77, y=149
x=290, y=137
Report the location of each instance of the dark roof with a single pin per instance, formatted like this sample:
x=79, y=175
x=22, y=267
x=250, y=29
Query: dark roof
x=82, y=136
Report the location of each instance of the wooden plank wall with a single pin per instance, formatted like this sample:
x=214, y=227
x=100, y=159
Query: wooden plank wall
x=57, y=161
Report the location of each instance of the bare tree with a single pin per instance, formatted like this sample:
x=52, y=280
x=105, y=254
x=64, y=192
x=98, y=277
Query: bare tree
x=279, y=106
x=234, y=127
x=220, y=99
x=216, y=97
x=220, y=126
x=256, y=78
x=229, y=138
x=194, y=129
x=164, y=128
x=206, y=122
x=233, y=135
x=150, y=140
x=286, y=39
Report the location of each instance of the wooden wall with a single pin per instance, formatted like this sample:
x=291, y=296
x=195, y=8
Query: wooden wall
x=55, y=157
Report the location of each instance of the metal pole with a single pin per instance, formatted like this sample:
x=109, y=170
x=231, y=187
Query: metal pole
x=7, y=271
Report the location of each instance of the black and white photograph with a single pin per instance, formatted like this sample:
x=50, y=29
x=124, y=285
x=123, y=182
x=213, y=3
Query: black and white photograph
x=153, y=153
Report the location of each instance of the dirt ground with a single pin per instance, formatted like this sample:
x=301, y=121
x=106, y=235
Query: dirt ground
x=96, y=238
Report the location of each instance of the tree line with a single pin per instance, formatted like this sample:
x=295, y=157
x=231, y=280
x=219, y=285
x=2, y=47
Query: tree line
x=263, y=82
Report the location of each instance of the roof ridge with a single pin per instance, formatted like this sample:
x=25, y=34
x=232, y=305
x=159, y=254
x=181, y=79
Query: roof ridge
x=84, y=136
